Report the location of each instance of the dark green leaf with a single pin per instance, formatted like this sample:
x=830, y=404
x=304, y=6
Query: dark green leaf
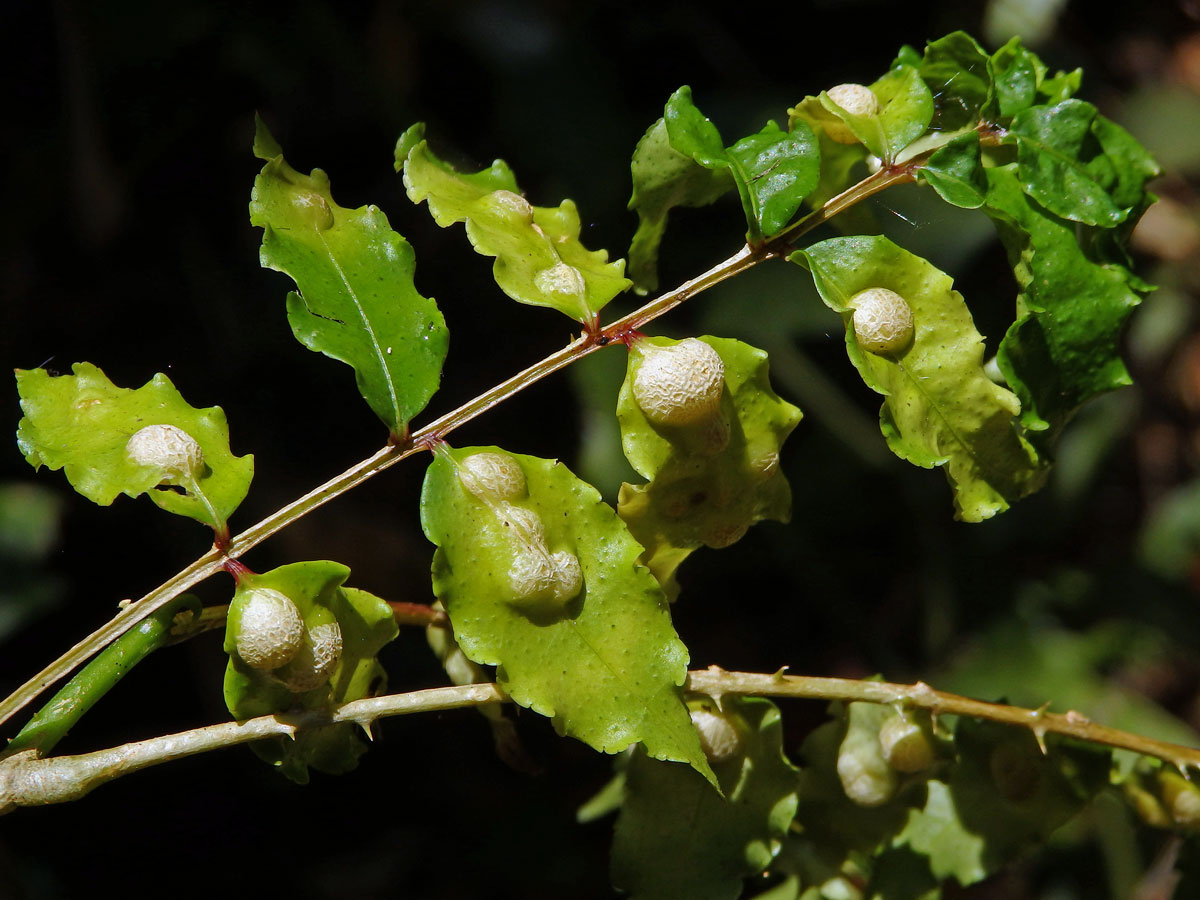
x=357, y=302
x=774, y=170
x=1064, y=346
x=599, y=657
x=778, y=169
x=366, y=624
x=1003, y=795
x=941, y=408
x=539, y=258
x=82, y=423
x=955, y=68
x=664, y=178
x=956, y=173
x=1015, y=72
x=1053, y=152
x=678, y=838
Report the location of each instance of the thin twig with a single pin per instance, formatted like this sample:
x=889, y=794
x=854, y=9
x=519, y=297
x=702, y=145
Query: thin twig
x=26, y=780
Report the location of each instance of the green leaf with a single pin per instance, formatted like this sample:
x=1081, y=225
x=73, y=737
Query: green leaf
x=1064, y=346
x=955, y=68
x=841, y=164
x=664, y=178
x=1053, y=152
x=82, y=423
x=774, y=170
x=905, y=111
x=600, y=656
x=1003, y=796
x=710, y=481
x=678, y=838
x=366, y=624
x=941, y=409
x=956, y=173
x=357, y=301
x=1015, y=72
x=52, y=722
x=539, y=258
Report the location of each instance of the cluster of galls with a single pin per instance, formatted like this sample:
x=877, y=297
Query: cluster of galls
x=270, y=636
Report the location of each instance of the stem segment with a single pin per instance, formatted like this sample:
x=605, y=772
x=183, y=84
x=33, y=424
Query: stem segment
x=26, y=780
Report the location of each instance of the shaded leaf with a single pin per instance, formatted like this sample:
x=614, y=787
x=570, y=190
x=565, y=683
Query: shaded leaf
x=710, y=481
x=366, y=624
x=81, y=423
x=603, y=661
x=941, y=409
x=539, y=258
x=955, y=68
x=678, y=838
x=956, y=173
x=357, y=301
x=664, y=178
x=1064, y=345
x=1003, y=796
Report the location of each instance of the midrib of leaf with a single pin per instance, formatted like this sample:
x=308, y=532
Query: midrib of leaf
x=1058, y=155
x=604, y=662
x=379, y=356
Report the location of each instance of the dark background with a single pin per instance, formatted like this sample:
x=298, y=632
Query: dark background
x=126, y=243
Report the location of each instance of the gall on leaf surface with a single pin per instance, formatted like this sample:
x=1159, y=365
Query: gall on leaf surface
x=707, y=482
x=606, y=666
x=940, y=408
x=774, y=170
x=367, y=624
x=905, y=111
x=664, y=178
x=1002, y=797
x=357, y=302
x=540, y=260
x=678, y=839
x=82, y=422
x=1064, y=346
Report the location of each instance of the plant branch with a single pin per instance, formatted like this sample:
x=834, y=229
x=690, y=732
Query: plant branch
x=26, y=780
x=398, y=450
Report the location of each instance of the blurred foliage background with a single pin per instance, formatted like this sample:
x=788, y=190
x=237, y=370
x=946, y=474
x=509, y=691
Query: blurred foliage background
x=127, y=243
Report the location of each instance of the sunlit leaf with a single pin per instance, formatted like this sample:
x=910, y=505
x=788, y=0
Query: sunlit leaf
x=366, y=624
x=941, y=409
x=357, y=302
x=708, y=481
x=678, y=838
x=774, y=170
x=955, y=172
x=539, y=258
x=905, y=111
x=82, y=423
x=541, y=579
x=664, y=178
x=1052, y=162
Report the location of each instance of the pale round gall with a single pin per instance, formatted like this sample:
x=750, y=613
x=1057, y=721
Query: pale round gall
x=270, y=631
x=317, y=658
x=856, y=99
x=883, y=321
x=905, y=745
x=509, y=204
x=561, y=279
x=679, y=384
x=171, y=450
x=719, y=737
x=541, y=579
x=526, y=524
x=492, y=476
